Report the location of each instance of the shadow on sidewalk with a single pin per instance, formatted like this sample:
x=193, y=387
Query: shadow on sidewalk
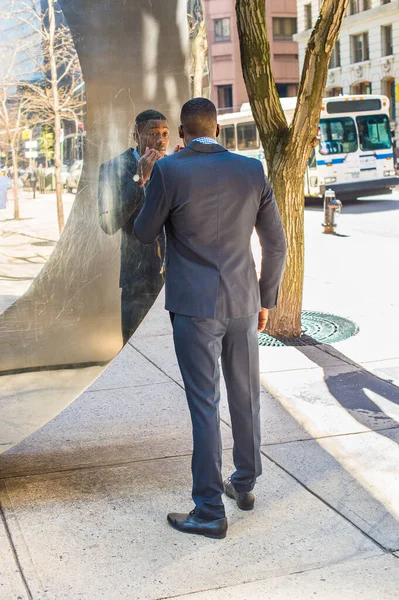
x=353, y=207
x=361, y=393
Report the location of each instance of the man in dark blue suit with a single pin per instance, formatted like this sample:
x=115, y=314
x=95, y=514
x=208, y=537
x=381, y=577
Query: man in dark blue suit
x=210, y=200
x=120, y=198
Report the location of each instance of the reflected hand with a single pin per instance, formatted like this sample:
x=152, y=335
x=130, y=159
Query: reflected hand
x=146, y=164
x=262, y=318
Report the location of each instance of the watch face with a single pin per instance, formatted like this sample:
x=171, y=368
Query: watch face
x=136, y=177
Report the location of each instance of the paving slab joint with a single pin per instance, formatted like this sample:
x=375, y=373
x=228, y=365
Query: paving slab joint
x=14, y=552
x=313, y=493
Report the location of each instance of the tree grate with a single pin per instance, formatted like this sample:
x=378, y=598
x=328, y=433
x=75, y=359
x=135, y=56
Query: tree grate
x=318, y=328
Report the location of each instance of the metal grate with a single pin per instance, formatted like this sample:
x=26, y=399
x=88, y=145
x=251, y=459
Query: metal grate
x=318, y=328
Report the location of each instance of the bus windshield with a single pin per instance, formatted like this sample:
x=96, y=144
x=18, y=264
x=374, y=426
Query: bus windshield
x=374, y=133
x=337, y=136
x=228, y=137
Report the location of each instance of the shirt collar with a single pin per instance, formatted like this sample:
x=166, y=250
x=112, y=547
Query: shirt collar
x=136, y=154
x=205, y=140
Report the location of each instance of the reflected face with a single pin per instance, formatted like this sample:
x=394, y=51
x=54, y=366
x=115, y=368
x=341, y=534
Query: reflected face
x=153, y=135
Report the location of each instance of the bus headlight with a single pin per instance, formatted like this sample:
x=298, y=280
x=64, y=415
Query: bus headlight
x=314, y=181
x=389, y=173
x=330, y=180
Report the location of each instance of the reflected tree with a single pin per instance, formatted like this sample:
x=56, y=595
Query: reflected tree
x=13, y=115
x=57, y=90
x=198, y=57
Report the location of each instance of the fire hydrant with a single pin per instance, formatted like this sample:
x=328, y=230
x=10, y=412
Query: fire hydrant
x=331, y=206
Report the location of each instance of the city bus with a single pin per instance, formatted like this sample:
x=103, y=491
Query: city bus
x=355, y=154
x=238, y=133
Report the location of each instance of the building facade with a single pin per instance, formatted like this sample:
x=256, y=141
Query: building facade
x=365, y=59
x=227, y=84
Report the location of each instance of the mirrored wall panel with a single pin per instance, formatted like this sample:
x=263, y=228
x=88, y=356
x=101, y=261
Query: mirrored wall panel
x=86, y=90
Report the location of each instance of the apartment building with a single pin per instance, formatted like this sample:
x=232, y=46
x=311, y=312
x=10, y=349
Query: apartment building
x=365, y=59
x=228, y=87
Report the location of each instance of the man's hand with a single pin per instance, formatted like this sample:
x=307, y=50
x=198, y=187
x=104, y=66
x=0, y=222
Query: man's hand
x=178, y=148
x=262, y=318
x=145, y=165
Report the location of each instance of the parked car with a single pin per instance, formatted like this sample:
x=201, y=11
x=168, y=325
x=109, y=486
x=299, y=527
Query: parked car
x=74, y=173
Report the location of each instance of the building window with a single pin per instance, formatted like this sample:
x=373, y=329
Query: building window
x=388, y=89
x=334, y=92
x=222, y=30
x=360, y=47
x=308, y=16
x=385, y=1
x=335, y=60
x=356, y=6
x=286, y=90
x=283, y=28
x=386, y=39
x=225, y=96
x=364, y=87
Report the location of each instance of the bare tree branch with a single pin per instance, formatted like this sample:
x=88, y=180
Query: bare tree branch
x=315, y=69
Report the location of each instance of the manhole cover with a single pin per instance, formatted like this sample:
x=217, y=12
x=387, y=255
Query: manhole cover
x=318, y=328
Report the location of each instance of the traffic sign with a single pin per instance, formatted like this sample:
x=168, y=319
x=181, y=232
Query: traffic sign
x=31, y=145
x=27, y=134
x=31, y=154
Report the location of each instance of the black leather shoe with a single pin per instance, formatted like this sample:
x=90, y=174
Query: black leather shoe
x=245, y=500
x=190, y=523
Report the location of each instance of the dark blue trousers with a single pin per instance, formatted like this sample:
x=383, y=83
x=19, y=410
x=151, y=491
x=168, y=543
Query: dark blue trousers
x=199, y=344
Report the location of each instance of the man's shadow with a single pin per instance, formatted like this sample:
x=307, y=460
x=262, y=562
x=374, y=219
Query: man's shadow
x=349, y=387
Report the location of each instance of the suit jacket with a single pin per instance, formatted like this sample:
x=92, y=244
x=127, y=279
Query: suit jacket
x=210, y=200
x=119, y=202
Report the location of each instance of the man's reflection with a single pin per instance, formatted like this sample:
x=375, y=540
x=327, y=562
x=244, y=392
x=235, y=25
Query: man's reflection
x=120, y=198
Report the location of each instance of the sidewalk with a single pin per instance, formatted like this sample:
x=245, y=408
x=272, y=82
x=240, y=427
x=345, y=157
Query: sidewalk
x=85, y=498
x=27, y=244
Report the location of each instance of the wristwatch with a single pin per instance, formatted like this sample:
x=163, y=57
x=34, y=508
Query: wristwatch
x=136, y=177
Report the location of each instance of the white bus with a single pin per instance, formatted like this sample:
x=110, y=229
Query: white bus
x=355, y=154
x=238, y=133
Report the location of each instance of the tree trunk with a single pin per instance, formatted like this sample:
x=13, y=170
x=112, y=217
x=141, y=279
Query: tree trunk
x=287, y=148
x=57, y=116
x=287, y=181
x=15, y=178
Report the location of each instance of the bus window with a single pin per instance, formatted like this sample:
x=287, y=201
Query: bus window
x=337, y=136
x=247, y=136
x=228, y=137
x=312, y=163
x=374, y=133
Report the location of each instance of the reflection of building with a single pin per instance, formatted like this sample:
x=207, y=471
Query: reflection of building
x=228, y=88
x=366, y=57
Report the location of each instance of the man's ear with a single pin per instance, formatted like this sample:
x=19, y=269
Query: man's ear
x=217, y=130
x=181, y=132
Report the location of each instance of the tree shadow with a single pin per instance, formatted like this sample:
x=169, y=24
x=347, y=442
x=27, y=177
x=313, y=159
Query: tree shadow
x=361, y=206
x=349, y=387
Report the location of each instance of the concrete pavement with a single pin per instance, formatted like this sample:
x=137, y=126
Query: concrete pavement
x=84, y=500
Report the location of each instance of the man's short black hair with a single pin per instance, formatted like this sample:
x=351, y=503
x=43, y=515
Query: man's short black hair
x=148, y=115
x=199, y=116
